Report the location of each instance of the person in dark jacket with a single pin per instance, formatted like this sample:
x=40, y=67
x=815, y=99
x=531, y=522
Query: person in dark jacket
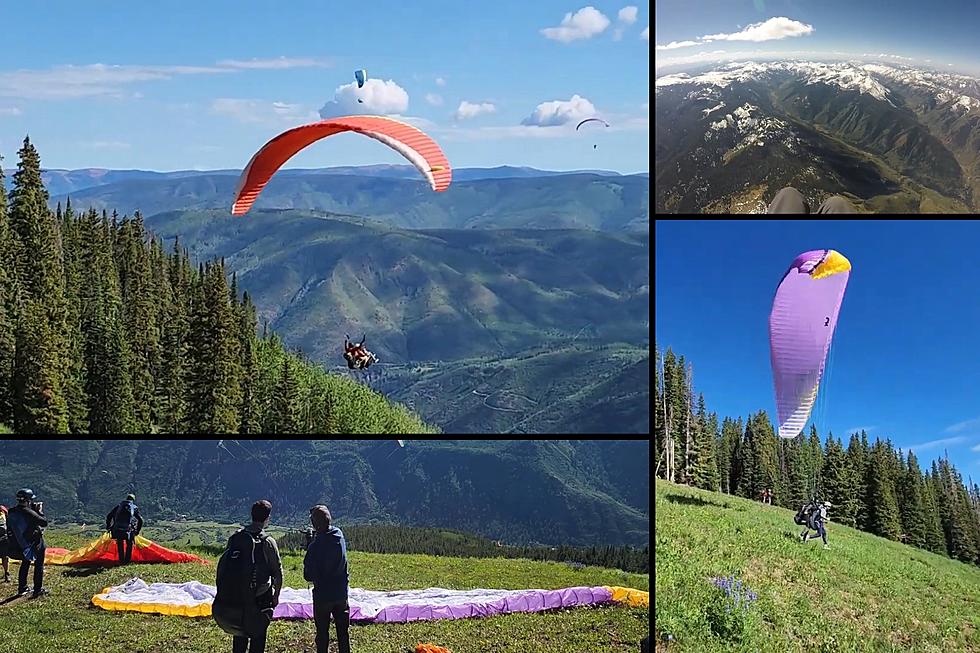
x=325, y=565
x=123, y=523
x=26, y=523
x=265, y=586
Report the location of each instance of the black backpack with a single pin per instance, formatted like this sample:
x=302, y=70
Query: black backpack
x=242, y=568
x=124, y=521
x=803, y=514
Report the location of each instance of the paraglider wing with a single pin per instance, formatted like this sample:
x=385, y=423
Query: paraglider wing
x=801, y=327
x=591, y=120
x=401, y=443
x=423, y=152
x=361, y=77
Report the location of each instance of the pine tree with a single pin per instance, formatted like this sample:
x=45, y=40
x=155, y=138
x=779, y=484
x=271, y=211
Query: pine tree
x=8, y=319
x=139, y=315
x=40, y=363
x=883, y=516
x=77, y=398
x=250, y=422
x=911, y=506
x=285, y=408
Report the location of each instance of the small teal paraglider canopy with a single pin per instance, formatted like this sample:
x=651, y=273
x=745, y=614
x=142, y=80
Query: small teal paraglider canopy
x=361, y=77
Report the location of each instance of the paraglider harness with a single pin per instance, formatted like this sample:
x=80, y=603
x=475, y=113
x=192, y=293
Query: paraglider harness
x=22, y=539
x=807, y=515
x=124, y=520
x=235, y=608
x=357, y=356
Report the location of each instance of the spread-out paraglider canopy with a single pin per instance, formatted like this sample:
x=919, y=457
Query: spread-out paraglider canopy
x=421, y=151
x=801, y=327
x=587, y=120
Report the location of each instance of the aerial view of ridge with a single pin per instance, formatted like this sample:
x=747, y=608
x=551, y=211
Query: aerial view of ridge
x=778, y=106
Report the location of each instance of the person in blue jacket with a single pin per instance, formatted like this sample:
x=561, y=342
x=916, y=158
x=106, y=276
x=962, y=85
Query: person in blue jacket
x=325, y=565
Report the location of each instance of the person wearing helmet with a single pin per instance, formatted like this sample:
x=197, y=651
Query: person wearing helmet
x=123, y=523
x=816, y=522
x=4, y=543
x=26, y=523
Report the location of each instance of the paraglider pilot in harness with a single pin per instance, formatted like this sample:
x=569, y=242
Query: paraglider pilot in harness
x=124, y=523
x=357, y=355
x=814, y=515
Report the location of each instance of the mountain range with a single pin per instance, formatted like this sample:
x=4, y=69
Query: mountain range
x=519, y=491
x=61, y=182
x=889, y=137
x=575, y=200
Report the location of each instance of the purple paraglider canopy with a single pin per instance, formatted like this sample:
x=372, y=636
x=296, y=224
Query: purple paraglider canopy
x=801, y=327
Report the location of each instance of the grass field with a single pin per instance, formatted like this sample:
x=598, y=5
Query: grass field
x=864, y=593
x=67, y=622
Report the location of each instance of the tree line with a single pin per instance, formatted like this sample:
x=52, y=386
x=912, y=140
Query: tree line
x=442, y=542
x=104, y=330
x=873, y=486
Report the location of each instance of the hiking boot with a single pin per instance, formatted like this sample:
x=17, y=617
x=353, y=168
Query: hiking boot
x=23, y=591
x=41, y=592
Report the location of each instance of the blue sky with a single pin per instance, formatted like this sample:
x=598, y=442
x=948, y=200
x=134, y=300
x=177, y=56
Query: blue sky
x=942, y=34
x=906, y=353
x=180, y=85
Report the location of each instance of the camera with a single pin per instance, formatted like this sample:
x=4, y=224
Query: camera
x=38, y=506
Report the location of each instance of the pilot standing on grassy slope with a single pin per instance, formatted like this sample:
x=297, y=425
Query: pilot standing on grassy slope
x=124, y=523
x=325, y=565
x=26, y=522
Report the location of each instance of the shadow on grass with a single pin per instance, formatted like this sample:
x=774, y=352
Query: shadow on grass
x=83, y=572
x=687, y=500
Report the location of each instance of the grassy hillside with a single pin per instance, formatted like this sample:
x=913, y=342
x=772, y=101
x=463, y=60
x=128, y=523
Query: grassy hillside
x=864, y=593
x=571, y=201
x=65, y=622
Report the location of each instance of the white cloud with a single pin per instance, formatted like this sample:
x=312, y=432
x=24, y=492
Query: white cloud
x=106, y=145
x=274, y=64
x=583, y=24
x=467, y=110
x=975, y=448
x=68, y=82
x=645, y=34
x=261, y=111
x=776, y=28
x=377, y=97
x=628, y=14
x=932, y=444
x=560, y=112
x=440, y=81
x=10, y=111
x=434, y=99
x=109, y=80
x=966, y=425
x=673, y=45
